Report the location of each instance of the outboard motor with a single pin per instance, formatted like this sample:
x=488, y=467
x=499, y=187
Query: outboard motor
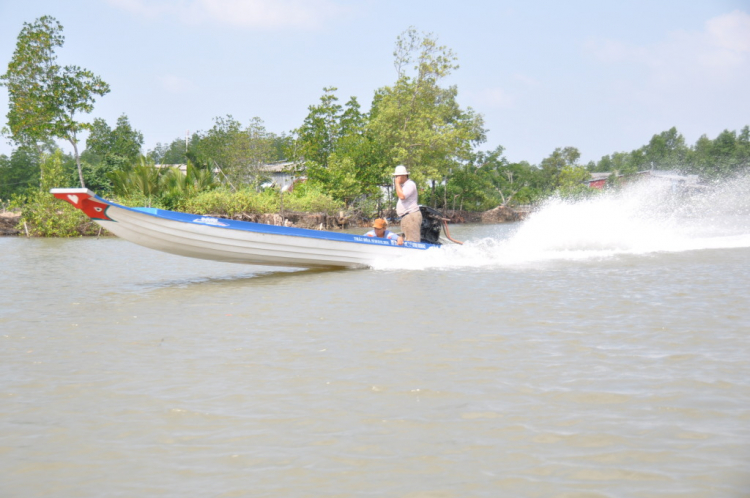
x=432, y=223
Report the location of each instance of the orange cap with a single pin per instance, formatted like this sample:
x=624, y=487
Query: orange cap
x=380, y=223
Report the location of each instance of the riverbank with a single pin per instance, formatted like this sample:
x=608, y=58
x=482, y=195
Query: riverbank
x=11, y=222
x=321, y=221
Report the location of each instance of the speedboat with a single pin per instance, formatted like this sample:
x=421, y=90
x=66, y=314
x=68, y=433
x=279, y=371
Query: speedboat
x=233, y=241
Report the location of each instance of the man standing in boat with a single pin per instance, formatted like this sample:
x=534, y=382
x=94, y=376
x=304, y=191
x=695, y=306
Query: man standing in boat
x=407, y=206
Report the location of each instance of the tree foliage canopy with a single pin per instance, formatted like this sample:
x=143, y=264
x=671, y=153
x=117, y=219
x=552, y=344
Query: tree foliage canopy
x=726, y=155
x=45, y=98
x=122, y=141
x=237, y=151
x=334, y=150
x=418, y=123
x=30, y=79
x=414, y=122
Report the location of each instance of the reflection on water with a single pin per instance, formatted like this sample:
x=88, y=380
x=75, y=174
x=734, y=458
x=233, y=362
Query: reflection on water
x=240, y=279
x=127, y=372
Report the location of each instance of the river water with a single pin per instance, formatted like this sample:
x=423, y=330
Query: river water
x=599, y=349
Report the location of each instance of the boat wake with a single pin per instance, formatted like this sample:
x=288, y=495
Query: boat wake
x=651, y=216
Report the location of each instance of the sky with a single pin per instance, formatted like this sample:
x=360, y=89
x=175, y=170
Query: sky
x=602, y=76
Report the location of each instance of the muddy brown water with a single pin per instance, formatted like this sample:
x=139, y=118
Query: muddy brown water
x=127, y=372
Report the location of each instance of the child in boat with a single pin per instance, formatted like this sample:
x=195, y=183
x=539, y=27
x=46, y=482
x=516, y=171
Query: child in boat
x=380, y=229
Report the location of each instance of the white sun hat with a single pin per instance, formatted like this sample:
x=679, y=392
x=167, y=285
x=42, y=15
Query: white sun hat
x=400, y=170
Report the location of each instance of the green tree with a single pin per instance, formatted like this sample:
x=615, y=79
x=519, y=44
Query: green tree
x=320, y=131
x=260, y=149
x=571, y=180
x=335, y=150
x=142, y=180
x=44, y=97
x=121, y=144
x=552, y=166
x=168, y=188
x=742, y=150
x=28, y=79
x=526, y=181
x=19, y=172
x=469, y=187
x=727, y=155
x=109, y=150
x=238, y=152
x=667, y=150
x=176, y=187
x=418, y=123
x=620, y=165
x=494, y=167
x=513, y=183
x=176, y=152
x=282, y=146
x=340, y=178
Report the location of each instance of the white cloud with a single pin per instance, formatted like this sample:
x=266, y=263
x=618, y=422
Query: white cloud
x=493, y=97
x=268, y=14
x=527, y=80
x=720, y=53
x=142, y=8
x=510, y=96
x=731, y=32
x=176, y=84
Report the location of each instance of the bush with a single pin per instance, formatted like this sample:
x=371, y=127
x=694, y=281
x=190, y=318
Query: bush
x=46, y=216
x=224, y=202
x=311, y=200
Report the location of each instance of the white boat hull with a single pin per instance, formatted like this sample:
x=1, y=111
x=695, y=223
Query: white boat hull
x=234, y=241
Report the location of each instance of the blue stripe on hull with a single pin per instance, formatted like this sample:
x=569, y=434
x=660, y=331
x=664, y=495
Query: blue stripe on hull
x=249, y=226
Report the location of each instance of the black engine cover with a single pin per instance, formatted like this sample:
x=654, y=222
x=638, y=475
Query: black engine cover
x=431, y=225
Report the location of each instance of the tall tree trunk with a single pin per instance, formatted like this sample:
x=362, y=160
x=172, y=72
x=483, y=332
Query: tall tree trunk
x=74, y=143
x=445, y=195
x=40, y=159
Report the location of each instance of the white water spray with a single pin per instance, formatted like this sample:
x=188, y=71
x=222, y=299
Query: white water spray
x=650, y=216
